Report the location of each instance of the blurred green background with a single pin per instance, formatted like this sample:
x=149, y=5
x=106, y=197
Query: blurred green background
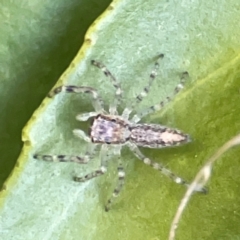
x=38, y=40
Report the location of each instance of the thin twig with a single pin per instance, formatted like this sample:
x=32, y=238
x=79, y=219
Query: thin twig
x=200, y=180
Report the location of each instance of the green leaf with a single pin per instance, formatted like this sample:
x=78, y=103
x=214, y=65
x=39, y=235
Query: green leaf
x=40, y=199
x=38, y=40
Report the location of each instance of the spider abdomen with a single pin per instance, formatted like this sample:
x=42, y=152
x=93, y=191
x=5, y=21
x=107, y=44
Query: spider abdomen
x=156, y=136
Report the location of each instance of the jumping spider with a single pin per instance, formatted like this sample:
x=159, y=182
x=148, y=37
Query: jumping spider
x=112, y=131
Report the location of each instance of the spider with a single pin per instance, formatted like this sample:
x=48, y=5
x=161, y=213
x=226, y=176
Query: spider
x=113, y=131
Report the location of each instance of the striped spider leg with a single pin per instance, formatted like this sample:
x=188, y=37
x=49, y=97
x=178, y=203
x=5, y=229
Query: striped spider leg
x=113, y=131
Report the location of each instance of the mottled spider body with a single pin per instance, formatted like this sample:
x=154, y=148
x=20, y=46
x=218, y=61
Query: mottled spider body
x=109, y=129
x=156, y=136
x=112, y=131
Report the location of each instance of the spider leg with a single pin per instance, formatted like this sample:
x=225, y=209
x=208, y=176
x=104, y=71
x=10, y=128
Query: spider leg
x=69, y=158
x=96, y=99
x=85, y=116
x=103, y=168
x=81, y=134
x=161, y=168
x=116, y=84
x=137, y=117
x=145, y=91
x=119, y=186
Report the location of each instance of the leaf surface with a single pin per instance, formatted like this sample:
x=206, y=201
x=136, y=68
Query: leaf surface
x=40, y=199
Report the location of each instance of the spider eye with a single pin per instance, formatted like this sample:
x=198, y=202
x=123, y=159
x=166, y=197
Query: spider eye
x=113, y=120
